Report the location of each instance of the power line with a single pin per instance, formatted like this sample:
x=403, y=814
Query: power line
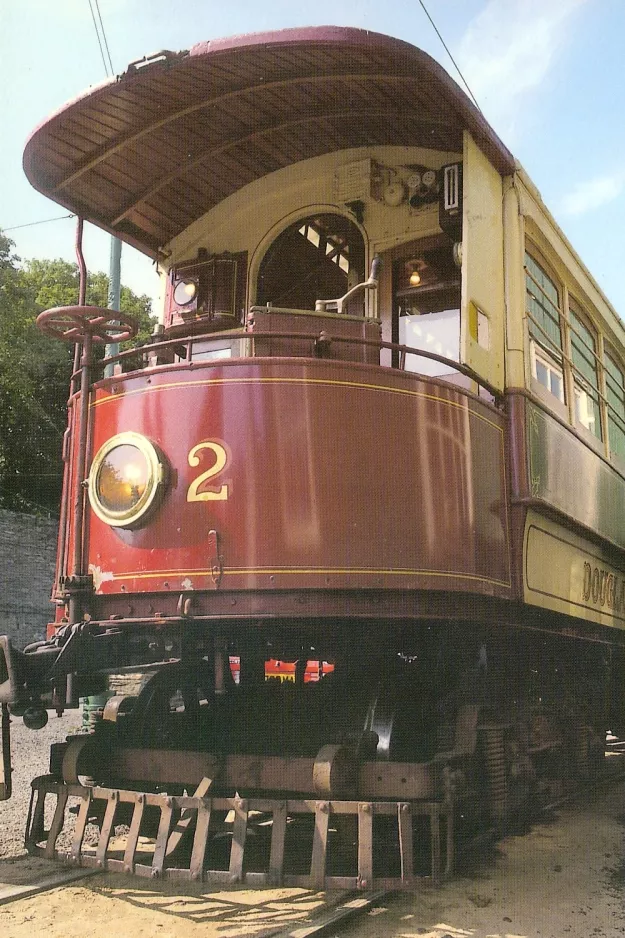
x=106, y=45
x=456, y=66
x=97, y=32
x=42, y=221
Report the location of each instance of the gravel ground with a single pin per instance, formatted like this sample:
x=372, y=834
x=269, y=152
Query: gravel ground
x=30, y=757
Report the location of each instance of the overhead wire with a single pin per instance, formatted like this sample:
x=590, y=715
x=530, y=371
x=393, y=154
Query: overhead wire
x=106, y=45
x=42, y=221
x=102, y=42
x=456, y=66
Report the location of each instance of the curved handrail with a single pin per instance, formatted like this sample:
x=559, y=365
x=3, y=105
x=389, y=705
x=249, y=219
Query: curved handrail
x=321, y=342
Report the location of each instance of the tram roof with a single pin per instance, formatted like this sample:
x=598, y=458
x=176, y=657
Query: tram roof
x=147, y=153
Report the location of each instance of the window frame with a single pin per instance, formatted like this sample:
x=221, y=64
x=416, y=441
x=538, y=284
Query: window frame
x=611, y=355
x=553, y=357
x=578, y=378
x=609, y=423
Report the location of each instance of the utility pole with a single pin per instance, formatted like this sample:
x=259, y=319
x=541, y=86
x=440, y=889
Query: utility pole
x=114, y=295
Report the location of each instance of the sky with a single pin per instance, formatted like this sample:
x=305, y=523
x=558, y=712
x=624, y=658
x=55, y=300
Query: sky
x=549, y=76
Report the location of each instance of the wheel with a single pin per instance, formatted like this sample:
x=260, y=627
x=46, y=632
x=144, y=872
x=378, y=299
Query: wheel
x=73, y=323
x=172, y=709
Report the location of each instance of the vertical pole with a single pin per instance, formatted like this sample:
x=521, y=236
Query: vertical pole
x=82, y=359
x=71, y=423
x=5, y=755
x=81, y=462
x=114, y=297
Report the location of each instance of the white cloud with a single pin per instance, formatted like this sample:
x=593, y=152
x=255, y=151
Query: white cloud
x=509, y=47
x=591, y=194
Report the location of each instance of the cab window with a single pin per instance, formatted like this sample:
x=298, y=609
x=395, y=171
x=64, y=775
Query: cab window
x=427, y=300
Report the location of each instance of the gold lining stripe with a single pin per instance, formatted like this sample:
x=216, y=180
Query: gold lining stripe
x=310, y=571
x=324, y=382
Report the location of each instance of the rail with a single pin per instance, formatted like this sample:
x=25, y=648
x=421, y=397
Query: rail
x=321, y=344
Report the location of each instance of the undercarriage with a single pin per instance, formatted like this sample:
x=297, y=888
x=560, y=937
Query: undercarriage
x=308, y=759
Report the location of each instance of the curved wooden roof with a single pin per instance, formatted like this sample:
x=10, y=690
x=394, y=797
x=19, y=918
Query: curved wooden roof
x=146, y=154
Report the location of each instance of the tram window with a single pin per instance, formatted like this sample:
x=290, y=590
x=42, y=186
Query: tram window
x=615, y=393
x=585, y=375
x=207, y=351
x=546, y=372
x=542, y=303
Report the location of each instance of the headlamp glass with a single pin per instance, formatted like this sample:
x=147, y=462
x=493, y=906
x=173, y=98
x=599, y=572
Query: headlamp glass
x=185, y=292
x=126, y=479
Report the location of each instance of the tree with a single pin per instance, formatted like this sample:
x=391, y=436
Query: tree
x=35, y=373
x=56, y=283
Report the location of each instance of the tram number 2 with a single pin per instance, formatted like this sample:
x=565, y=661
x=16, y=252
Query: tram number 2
x=198, y=491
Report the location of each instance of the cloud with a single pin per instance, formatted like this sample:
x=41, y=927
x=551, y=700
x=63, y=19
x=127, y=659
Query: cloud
x=509, y=47
x=591, y=194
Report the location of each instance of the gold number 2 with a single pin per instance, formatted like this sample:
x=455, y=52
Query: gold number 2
x=212, y=494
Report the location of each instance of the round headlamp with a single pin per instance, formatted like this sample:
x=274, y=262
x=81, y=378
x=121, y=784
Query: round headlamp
x=127, y=480
x=185, y=292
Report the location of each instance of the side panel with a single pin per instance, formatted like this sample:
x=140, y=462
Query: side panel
x=335, y=476
x=569, y=574
x=568, y=519
x=568, y=476
x=482, y=319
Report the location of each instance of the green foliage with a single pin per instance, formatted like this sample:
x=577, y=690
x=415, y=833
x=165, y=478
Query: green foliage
x=35, y=373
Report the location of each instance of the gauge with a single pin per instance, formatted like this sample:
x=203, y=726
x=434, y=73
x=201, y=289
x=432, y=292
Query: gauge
x=127, y=479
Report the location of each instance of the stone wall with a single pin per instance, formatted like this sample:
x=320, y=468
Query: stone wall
x=27, y=557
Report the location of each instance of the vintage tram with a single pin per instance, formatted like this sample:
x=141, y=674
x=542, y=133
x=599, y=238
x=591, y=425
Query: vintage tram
x=356, y=512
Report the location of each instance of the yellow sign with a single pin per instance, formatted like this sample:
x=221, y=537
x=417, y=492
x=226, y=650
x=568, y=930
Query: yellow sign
x=566, y=573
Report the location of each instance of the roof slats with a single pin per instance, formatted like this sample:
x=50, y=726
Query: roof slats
x=150, y=152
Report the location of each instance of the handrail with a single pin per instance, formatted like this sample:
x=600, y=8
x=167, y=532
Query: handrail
x=320, y=340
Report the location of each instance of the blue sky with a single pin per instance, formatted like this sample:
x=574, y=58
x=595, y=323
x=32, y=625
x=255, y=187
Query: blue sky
x=549, y=75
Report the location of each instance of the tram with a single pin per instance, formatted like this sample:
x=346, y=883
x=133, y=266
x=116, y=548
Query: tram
x=356, y=511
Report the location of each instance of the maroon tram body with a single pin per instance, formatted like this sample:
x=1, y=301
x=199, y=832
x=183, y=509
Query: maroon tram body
x=288, y=517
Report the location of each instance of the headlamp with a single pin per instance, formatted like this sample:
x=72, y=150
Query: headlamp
x=127, y=479
x=185, y=292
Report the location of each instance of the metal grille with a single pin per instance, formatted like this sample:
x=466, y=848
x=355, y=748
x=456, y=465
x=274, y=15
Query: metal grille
x=189, y=821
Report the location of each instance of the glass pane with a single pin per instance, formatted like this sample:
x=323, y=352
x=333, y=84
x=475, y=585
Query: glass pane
x=542, y=373
x=556, y=386
x=542, y=304
x=615, y=391
x=434, y=332
x=586, y=373
x=547, y=372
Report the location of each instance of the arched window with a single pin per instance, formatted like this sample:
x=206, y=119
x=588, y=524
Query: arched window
x=317, y=258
